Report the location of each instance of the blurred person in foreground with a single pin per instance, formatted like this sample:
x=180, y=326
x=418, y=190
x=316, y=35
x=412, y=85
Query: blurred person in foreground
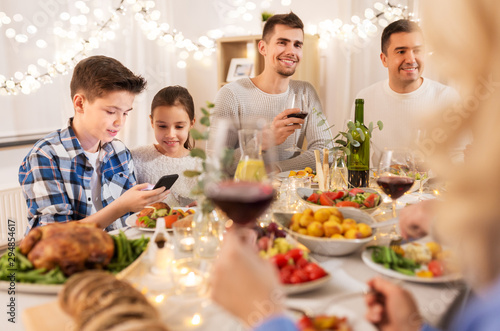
x=467, y=220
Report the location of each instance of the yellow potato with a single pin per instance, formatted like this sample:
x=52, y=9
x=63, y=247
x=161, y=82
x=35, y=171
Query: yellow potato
x=296, y=217
x=308, y=170
x=353, y=234
x=295, y=226
x=335, y=212
x=348, y=224
x=331, y=228
x=315, y=229
x=321, y=215
x=365, y=229
x=292, y=173
x=308, y=212
x=337, y=236
x=335, y=219
x=305, y=220
x=434, y=247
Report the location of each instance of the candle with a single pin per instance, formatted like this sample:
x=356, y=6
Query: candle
x=186, y=244
x=191, y=280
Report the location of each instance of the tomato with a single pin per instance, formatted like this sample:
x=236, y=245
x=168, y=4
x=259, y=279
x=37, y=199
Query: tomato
x=280, y=260
x=370, y=201
x=171, y=219
x=295, y=254
x=347, y=204
x=314, y=271
x=313, y=198
x=355, y=191
x=334, y=195
x=299, y=276
x=305, y=323
x=301, y=262
x=436, y=267
x=286, y=275
x=324, y=200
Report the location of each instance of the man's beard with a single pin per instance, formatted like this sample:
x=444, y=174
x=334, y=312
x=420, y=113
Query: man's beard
x=286, y=73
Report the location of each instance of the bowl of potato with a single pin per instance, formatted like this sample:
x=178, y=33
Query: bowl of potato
x=329, y=231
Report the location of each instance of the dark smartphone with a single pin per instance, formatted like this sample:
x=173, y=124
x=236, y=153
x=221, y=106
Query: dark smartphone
x=167, y=181
x=298, y=115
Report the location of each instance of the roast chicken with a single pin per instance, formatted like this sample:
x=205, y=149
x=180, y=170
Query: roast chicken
x=72, y=246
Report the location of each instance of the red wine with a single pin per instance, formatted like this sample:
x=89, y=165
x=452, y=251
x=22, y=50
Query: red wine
x=243, y=202
x=358, y=178
x=395, y=186
x=298, y=115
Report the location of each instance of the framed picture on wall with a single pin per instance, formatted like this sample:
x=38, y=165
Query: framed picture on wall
x=240, y=68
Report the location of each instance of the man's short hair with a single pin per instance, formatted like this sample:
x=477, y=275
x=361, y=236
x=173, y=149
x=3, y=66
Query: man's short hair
x=396, y=27
x=97, y=75
x=291, y=20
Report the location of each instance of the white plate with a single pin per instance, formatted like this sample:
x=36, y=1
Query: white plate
x=130, y=221
x=307, y=286
x=367, y=259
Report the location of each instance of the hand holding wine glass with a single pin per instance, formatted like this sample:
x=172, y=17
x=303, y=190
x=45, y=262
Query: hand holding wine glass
x=395, y=174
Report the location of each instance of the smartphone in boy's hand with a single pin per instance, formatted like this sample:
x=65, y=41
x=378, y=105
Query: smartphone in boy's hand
x=167, y=181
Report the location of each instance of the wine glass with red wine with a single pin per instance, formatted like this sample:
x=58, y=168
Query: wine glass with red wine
x=296, y=100
x=245, y=199
x=395, y=174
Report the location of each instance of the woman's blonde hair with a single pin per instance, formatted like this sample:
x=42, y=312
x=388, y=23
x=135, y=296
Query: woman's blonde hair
x=464, y=37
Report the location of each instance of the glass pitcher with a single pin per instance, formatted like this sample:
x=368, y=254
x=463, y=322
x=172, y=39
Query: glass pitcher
x=338, y=172
x=251, y=166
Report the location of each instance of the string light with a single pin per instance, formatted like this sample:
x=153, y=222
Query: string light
x=148, y=18
x=363, y=28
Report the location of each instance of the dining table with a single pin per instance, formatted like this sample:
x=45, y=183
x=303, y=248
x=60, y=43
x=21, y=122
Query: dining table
x=342, y=295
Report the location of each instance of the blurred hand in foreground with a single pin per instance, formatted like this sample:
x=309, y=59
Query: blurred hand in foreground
x=415, y=220
x=391, y=308
x=242, y=282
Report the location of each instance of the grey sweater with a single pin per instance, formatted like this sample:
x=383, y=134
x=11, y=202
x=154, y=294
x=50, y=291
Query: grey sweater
x=243, y=103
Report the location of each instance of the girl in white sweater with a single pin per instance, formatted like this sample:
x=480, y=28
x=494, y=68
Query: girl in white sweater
x=172, y=116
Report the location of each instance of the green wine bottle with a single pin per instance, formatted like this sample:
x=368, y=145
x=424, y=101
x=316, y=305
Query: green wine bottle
x=358, y=161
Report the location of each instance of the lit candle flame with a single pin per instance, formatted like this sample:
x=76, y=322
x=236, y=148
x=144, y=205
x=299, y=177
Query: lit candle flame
x=196, y=320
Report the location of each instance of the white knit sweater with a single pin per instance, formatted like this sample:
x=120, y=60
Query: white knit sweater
x=243, y=103
x=150, y=165
x=401, y=112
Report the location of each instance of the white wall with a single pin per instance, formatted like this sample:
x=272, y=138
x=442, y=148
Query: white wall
x=343, y=72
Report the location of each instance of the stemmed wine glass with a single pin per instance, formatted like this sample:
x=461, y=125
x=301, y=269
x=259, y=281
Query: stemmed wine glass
x=395, y=171
x=296, y=100
x=248, y=195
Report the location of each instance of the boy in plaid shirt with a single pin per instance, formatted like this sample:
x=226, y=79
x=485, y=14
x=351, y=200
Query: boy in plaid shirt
x=81, y=172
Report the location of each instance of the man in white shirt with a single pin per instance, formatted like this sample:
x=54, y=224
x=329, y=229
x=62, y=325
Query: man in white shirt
x=264, y=96
x=401, y=101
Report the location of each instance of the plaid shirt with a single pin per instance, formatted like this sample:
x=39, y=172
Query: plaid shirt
x=55, y=178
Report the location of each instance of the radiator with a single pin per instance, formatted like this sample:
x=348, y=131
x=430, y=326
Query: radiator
x=13, y=207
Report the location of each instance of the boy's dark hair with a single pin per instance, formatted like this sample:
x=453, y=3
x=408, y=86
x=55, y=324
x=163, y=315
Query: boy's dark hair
x=98, y=75
x=175, y=96
x=396, y=27
x=291, y=20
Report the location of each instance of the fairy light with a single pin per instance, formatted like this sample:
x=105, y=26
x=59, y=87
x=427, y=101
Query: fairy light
x=149, y=20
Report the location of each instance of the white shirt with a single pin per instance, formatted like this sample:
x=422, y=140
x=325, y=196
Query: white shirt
x=95, y=160
x=401, y=112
